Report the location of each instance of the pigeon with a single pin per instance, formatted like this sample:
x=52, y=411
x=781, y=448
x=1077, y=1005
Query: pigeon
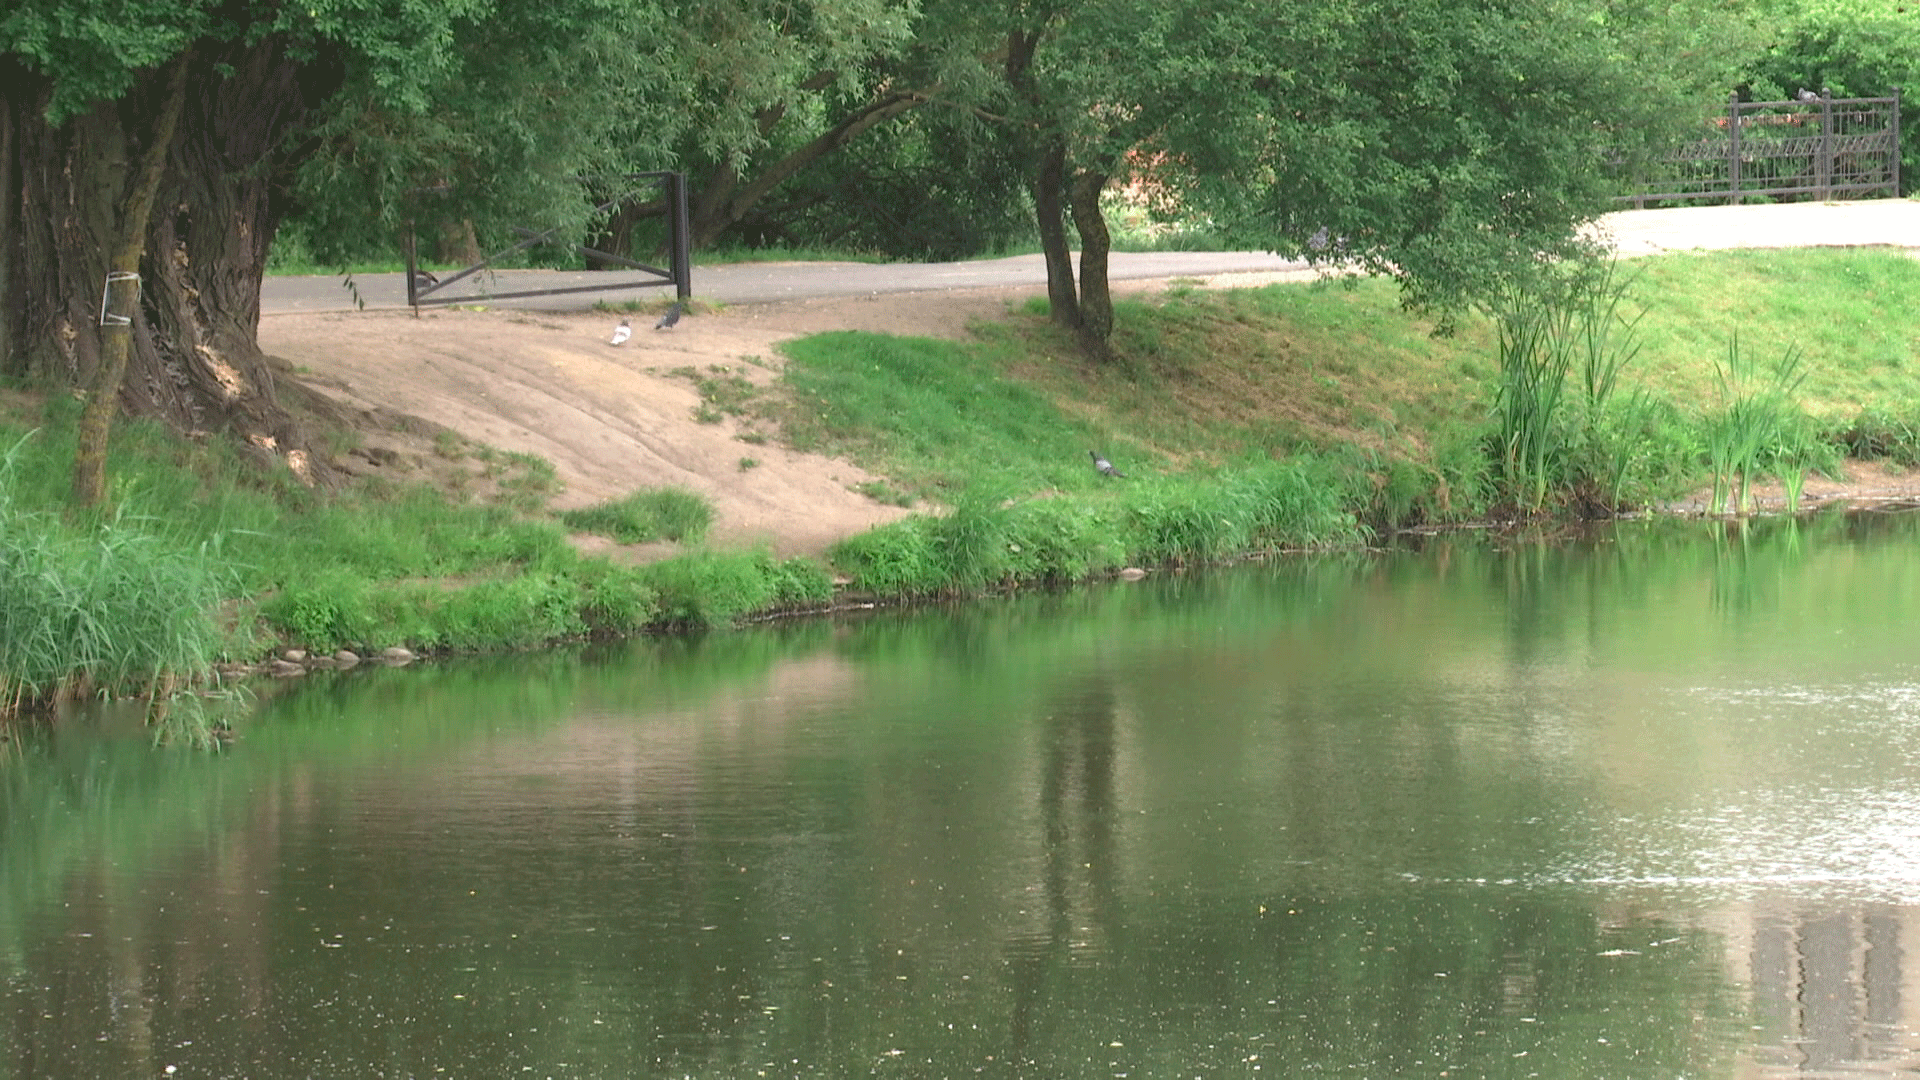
x=424, y=280
x=1105, y=467
x=666, y=321
x=1804, y=94
x=621, y=333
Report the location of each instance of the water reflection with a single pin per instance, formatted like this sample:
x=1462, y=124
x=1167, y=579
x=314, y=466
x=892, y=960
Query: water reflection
x=1636, y=805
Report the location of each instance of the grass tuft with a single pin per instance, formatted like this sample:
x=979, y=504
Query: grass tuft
x=668, y=513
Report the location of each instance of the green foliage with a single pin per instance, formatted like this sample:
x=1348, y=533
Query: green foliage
x=704, y=590
x=1883, y=433
x=615, y=600
x=800, y=584
x=668, y=513
x=983, y=543
x=1365, y=134
x=928, y=185
x=899, y=559
x=1853, y=48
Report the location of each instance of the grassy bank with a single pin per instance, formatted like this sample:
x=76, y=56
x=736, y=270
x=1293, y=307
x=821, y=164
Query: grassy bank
x=1247, y=421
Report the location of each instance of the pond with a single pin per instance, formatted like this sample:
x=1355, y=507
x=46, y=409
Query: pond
x=1643, y=804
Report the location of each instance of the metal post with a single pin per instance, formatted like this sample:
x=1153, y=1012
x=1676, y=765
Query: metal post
x=1733, y=148
x=681, y=235
x=413, y=301
x=1895, y=159
x=1823, y=169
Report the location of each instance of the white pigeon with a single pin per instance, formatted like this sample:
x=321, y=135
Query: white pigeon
x=621, y=333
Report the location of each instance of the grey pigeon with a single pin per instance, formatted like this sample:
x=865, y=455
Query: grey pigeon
x=621, y=333
x=1103, y=466
x=1804, y=94
x=666, y=321
x=424, y=280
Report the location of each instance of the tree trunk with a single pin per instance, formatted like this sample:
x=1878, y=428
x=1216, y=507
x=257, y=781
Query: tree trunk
x=1045, y=152
x=454, y=243
x=1049, y=207
x=10, y=75
x=1096, y=300
x=194, y=358
x=122, y=296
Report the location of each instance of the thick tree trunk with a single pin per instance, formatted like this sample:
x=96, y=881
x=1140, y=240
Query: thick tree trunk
x=195, y=359
x=123, y=296
x=1096, y=299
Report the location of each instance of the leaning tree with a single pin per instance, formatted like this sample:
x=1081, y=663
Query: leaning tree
x=167, y=138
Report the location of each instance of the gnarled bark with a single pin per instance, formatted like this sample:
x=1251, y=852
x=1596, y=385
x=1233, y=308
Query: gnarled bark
x=123, y=276
x=195, y=359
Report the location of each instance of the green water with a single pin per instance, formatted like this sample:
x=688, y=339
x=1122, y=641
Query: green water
x=1645, y=805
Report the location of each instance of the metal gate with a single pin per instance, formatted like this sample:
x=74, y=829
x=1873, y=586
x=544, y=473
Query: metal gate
x=1814, y=147
x=426, y=290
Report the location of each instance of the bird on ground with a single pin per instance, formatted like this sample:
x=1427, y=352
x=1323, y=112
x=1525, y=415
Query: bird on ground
x=1103, y=466
x=621, y=333
x=666, y=321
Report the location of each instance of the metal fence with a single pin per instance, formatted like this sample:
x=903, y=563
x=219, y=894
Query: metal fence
x=1816, y=147
x=426, y=289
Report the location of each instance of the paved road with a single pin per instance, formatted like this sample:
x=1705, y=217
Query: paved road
x=1894, y=222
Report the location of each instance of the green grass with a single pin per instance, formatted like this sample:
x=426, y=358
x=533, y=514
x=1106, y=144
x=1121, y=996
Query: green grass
x=668, y=513
x=937, y=417
x=115, y=605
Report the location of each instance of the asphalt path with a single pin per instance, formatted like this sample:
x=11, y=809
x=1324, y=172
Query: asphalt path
x=745, y=283
x=1882, y=222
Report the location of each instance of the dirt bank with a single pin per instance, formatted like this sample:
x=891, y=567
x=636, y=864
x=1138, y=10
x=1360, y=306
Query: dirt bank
x=614, y=419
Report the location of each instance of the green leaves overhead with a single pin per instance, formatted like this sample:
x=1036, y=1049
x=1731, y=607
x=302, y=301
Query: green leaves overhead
x=91, y=50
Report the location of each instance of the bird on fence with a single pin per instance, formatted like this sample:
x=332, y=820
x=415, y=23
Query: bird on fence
x=424, y=280
x=666, y=321
x=1103, y=466
x=1804, y=94
x=621, y=333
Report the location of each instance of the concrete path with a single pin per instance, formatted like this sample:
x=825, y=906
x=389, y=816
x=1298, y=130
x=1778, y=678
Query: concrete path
x=1888, y=222
x=1865, y=223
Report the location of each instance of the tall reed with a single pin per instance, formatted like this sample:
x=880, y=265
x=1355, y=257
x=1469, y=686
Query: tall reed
x=1562, y=318
x=114, y=608
x=1756, y=406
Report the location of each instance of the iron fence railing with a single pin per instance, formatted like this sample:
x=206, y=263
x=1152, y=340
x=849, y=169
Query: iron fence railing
x=426, y=289
x=1815, y=147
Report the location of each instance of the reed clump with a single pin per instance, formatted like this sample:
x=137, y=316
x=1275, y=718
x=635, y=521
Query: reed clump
x=113, y=607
